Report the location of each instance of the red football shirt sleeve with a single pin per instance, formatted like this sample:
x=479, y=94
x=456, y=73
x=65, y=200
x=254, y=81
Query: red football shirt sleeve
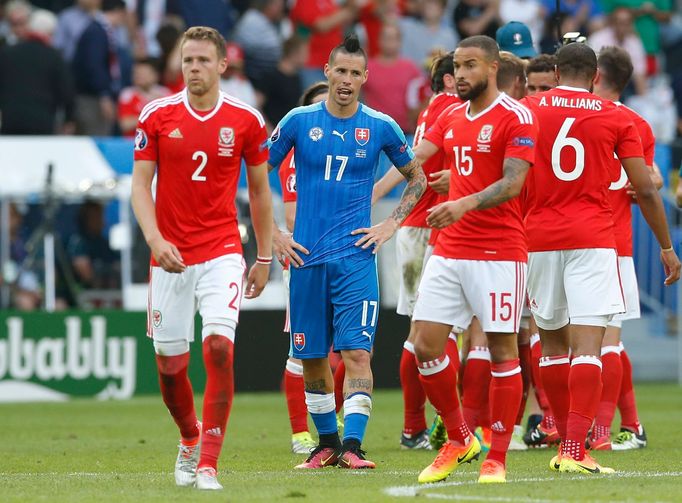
x=435, y=133
x=255, y=150
x=628, y=143
x=521, y=141
x=146, y=139
x=287, y=178
x=648, y=141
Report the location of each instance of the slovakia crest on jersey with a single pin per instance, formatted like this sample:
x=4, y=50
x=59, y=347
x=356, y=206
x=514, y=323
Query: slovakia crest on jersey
x=486, y=134
x=299, y=340
x=362, y=135
x=226, y=137
x=140, y=139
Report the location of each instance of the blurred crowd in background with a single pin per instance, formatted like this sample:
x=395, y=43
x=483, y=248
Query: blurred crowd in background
x=87, y=67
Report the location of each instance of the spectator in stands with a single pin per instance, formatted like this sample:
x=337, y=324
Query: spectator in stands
x=394, y=86
x=97, y=72
x=95, y=264
x=258, y=33
x=149, y=16
x=516, y=38
x=620, y=31
x=477, y=17
x=422, y=36
x=280, y=89
x=371, y=17
x=649, y=15
x=233, y=81
x=322, y=22
x=15, y=26
x=531, y=13
x=132, y=99
x=25, y=285
x=511, y=75
x=71, y=25
x=540, y=74
x=35, y=83
x=584, y=16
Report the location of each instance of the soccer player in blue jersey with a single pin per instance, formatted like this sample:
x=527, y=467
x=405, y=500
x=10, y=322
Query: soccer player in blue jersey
x=334, y=289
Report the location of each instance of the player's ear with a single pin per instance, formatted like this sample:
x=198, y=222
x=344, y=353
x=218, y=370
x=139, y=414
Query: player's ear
x=222, y=65
x=326, y=70
x=557, y=74
x=365, y=76
x=597, y=77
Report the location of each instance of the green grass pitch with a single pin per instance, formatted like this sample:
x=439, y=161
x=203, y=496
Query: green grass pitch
x=88, y=451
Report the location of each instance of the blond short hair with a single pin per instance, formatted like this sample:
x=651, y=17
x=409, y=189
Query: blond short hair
x=205, y=33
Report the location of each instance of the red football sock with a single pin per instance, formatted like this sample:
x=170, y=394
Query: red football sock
x=339, y=377
x=626, y=402
x=540, y=395
x=554, y=372
x=452, y=351
x=506, y=388
x=294, y=390
x=584, y=384
x=526, y=371
x=439, y=380
x=611, y=375
x=176, y=390
x=414, y=397
x=476, y=386
x=218, y=356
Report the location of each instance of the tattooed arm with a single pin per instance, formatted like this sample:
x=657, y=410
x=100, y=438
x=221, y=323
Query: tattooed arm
x=504, y=189
x=382, y=232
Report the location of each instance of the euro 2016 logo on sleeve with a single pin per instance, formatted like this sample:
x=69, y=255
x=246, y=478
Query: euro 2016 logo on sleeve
x=275, y=135
x=299, y=341
x=140, y=139
x=291, y=183
x=362, y=135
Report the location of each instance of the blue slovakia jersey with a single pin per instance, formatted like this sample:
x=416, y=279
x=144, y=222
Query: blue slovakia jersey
x=336, y=161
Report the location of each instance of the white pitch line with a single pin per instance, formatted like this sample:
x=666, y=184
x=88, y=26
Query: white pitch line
x=418, y=490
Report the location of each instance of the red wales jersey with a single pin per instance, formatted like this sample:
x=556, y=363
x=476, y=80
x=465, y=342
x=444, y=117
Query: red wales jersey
x=131, y=101
x=618, y=197
x=428, y=116
x=287, y=178
x=569, y=204
x=198, y=157
x=478, y=146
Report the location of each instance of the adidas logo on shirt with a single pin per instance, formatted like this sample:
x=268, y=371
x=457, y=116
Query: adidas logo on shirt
x=449, y=135
x=175, y=133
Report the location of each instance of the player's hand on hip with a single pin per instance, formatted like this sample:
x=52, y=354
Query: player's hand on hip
x=284, y=248
x=256, y=280
x=671, y=266
x=167, y=255
x=446, y=213
x=376, y=235
x=440, y=181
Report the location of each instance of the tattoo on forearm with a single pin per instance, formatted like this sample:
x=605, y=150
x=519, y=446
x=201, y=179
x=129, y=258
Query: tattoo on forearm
x=416, y=185
x=506, y=187
x=316, y=386
x=359, y=385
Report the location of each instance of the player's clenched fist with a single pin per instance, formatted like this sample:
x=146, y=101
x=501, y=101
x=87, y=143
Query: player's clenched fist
x=167, y=255
x=671, y=266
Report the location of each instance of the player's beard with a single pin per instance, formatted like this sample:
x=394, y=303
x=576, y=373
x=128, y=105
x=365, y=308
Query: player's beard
x=474, y=91
x=198, y=88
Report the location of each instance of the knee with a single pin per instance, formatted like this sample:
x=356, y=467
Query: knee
x=218, y=350
x=356, y=359
x=423, y=350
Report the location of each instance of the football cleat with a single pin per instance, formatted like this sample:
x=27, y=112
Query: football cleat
x=416, y=441
x=555, y=462
x=539, y=437
x=320, y=457
x=449, y=457
x=516, y=443
x=354, y=459
x=600, y=444
x=627, y=440
x=485, y=438
x=438, y=434
x=492, y=472
x=302, y=443
x=587, y=465
x=186, y=464
x=207, y=479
